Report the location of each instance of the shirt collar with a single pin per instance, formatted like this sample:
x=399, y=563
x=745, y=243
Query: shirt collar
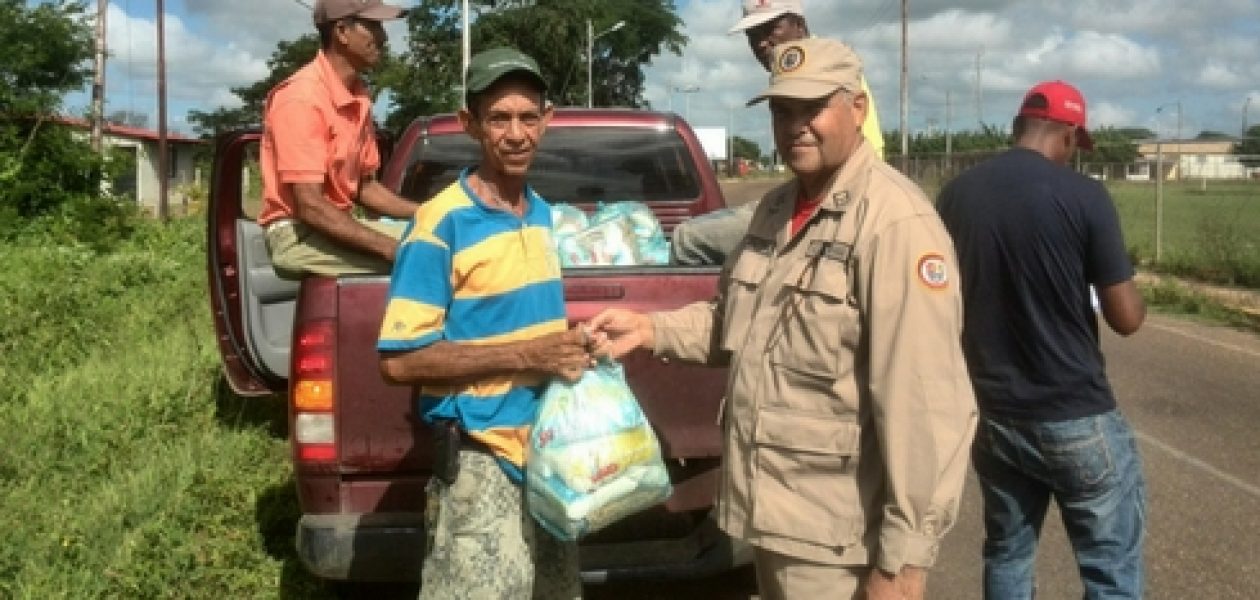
x=341, y=96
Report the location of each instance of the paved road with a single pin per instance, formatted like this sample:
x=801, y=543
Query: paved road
x=1191, y=393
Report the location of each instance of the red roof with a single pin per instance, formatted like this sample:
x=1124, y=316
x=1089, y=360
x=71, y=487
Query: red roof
x=135, y=133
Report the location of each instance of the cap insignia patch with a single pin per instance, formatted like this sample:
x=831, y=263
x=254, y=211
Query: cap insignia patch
x=791, y=59
x=932, y=271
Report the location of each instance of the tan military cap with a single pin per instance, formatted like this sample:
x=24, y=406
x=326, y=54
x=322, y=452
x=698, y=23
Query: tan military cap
x=812, y=68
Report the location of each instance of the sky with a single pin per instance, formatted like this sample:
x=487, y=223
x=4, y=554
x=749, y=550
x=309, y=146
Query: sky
x=1140, y=63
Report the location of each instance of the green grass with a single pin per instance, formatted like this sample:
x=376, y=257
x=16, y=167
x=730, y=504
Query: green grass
x=1210, y=231
x=125, y=470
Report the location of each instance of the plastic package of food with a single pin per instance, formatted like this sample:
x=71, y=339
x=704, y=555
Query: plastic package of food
x=593, y=457
x=618, y=234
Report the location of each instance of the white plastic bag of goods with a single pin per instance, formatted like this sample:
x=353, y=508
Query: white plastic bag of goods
x=593, y=458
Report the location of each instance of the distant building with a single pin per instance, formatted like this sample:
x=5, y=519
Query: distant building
x=142, y=145
x=1188, y=159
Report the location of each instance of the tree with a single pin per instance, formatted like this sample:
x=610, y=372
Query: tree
x=1112, y=145
x=1249, y=147
x=1136, y=133
x=427, y=77
x=45, y=167
x=288, y=57
x=745, y=148
x=1208, y=134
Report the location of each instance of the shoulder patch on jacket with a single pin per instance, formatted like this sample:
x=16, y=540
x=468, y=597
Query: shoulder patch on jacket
x=933, y=271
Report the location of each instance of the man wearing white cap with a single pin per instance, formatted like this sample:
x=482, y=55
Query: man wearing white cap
x=768, y=23
x=710, y=238
x=849, y=413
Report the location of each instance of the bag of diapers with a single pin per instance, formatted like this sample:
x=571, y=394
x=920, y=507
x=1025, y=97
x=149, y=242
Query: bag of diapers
x=593, y=458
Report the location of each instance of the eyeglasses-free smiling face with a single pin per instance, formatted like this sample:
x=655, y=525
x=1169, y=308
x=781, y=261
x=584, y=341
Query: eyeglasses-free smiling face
x=816, y=136
x=508, y=122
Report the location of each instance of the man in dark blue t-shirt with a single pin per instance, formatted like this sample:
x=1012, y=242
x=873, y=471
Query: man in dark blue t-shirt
x=1032, y=236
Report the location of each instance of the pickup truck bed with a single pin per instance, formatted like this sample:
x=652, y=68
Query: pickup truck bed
x=362, y=496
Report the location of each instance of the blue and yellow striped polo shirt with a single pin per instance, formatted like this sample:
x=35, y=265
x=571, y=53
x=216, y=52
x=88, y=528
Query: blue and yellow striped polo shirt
x=470, y=274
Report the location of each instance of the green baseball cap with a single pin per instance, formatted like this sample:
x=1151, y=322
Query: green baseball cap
x=489, y=66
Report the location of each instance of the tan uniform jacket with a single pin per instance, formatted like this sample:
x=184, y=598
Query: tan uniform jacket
x=849, y=413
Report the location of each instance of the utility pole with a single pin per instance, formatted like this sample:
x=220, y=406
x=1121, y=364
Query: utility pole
x=979, y=87
x=905, y=87
x=466, y=49
x=98, y=78
x=1159, y=199
x=1246, y=103
x=164, y=168
x=590, y=56
x=949, y=136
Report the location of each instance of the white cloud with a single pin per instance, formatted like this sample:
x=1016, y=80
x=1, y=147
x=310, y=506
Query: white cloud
x=1106, y=114
x=1128, y=56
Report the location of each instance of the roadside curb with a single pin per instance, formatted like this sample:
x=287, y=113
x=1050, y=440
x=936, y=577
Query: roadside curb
x=1243, y=300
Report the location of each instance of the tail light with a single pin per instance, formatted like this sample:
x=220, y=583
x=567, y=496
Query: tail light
x=311, y=392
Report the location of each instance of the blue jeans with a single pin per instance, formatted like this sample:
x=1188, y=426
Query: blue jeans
x=1091, y=468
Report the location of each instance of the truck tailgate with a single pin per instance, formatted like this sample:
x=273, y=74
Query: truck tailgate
x=379, y=433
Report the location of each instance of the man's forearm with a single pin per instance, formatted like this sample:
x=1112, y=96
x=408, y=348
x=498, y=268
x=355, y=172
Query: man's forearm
x=449, y=363
x=562, y=353
x=339, y=226
x=380, y=199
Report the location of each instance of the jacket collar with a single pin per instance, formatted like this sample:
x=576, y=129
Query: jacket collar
x=849, y=183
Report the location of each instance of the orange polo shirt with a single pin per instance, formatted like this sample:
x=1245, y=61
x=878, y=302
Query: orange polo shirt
x=315, y=131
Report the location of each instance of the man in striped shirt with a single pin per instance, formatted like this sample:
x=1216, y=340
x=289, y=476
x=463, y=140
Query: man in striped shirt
x=476, y=322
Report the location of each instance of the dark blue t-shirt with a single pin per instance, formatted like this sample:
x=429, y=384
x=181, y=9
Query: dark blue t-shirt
x=1031, y=235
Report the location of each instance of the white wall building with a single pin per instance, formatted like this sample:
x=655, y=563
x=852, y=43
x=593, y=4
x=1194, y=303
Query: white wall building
x=142, y=145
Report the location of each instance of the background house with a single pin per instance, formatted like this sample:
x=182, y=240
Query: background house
x=1188, y=159
x=142, y=146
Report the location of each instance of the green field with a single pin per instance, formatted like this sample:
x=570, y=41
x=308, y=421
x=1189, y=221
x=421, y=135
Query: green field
x=1210, y=230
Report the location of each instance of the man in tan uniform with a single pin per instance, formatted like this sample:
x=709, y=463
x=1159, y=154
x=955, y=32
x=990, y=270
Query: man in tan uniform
x=849, y=412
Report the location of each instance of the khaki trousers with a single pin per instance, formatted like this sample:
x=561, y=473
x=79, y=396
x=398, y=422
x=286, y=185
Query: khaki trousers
x=297, y=249
x=783, y=577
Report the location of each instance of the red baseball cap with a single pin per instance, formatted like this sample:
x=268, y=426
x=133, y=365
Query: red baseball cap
x=1058, y=101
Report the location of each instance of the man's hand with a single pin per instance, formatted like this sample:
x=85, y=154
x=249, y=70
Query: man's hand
x=618, y=331
x=910, y=584
x=563, y=354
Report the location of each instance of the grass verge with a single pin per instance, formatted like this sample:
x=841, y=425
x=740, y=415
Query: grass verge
x=1170, y=296
x=125, y=470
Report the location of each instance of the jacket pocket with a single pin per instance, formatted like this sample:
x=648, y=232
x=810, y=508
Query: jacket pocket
x=805, y=478
x=746, y=278
x=818, y=328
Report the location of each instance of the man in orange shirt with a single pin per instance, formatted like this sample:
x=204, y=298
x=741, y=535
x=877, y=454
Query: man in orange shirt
x=319, y=154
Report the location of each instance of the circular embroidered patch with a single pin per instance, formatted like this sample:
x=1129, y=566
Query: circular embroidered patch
x=932, y=271
x=791, y=59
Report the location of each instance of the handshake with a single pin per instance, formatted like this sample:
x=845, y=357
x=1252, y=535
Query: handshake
x=611, y=334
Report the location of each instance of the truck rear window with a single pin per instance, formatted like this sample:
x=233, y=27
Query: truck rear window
x=575, y=165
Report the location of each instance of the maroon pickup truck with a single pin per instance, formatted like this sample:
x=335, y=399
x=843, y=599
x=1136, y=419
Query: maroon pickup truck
x=360, y=456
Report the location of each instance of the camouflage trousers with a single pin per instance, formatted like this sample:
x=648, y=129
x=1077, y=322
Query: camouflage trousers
x=484, y=545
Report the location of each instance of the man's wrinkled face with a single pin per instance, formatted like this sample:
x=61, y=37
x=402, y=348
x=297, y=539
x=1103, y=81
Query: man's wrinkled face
x=508, y=124
x=763, y=38
x=364, y=41
x=817, y=136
